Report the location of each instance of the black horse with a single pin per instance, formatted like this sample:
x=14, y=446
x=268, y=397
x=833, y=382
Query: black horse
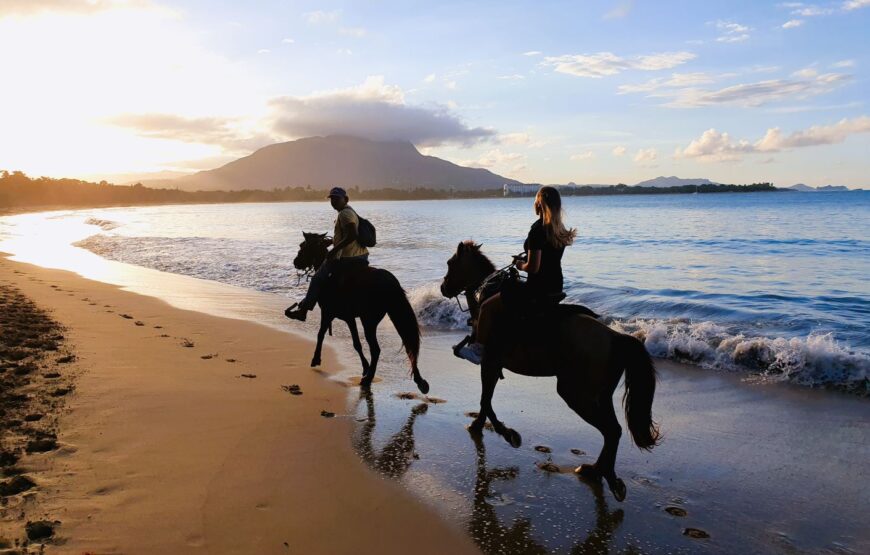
x=587, y=357
x=365, y=293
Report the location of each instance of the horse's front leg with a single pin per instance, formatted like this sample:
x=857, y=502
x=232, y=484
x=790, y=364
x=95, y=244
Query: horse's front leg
x=370, y=329
x=357, y=345
x=324, y=325
x=489, y=375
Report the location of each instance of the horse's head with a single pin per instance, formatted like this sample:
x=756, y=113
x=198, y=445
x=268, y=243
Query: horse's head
x=312, y=251
x=466, y=269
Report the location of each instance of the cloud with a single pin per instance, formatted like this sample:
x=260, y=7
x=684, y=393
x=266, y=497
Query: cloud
x=429, y=78
x=263, y=51
x=224, y=132
x=855, y=4
x=618, y=150
x=620, y=11
x=646, y=155
x=759, y=93
x=357, y=32
x=587, y=155
x=792, y=23
x=494, y=158
x=28, y=7
x=677, y=80
x=521, y=139
x=603, y=64
x=288, y=41
x=512, y=77
x=714, y=146
x=732, y=32
x=844, y=63
x=320, y=16
x=376, y=111
x=532, y=53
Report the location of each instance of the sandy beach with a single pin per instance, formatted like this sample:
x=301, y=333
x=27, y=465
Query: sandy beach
x=182, y=434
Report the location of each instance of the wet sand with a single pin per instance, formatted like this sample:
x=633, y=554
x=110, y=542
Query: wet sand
x=183, y=434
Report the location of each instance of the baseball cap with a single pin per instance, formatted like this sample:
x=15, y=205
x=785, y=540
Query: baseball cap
x=336, y=192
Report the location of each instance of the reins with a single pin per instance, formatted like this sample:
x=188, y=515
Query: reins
x=309, y=271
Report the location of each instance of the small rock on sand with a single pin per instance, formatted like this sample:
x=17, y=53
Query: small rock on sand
x=696, y=533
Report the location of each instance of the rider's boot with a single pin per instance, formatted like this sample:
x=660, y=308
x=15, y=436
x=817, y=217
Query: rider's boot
x=298, y=311
x=473, y=353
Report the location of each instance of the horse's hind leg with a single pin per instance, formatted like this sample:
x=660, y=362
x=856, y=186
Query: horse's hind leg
x=370, y=329
x=599, y=413
x=357, y=345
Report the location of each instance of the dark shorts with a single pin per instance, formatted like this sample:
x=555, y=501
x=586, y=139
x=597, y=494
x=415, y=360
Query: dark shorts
x=520, y=299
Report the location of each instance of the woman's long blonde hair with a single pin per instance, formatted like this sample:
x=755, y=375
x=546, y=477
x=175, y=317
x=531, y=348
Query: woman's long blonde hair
x=548, y=204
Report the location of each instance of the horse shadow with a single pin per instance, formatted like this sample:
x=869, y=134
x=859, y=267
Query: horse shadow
x=492, y=536
x=396, y=456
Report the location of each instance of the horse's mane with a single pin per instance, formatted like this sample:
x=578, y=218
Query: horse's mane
x=481, y=259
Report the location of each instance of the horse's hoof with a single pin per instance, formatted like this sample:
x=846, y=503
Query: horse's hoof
x=617, y=487
x=588, y=472
x=513, y=437
x=423, y=385
x=315, y=362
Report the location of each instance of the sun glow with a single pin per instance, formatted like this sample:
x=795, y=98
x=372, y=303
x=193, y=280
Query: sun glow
x=66, y=75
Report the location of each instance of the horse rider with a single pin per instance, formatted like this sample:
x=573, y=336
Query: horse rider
x=346, y=253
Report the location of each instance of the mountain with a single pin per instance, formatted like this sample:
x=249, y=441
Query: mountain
x=674, y=181
x=824, y=189
x=324, y=162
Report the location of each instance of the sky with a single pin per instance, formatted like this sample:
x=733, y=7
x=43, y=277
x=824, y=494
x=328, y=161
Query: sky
x=608, y=91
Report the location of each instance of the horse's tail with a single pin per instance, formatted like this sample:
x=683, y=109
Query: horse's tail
x=640, y=387
x=403, y=317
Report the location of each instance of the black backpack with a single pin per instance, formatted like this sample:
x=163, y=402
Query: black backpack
x=366, y=234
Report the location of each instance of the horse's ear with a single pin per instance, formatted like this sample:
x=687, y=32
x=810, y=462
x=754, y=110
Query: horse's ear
x=461, y=246
x=477, y=246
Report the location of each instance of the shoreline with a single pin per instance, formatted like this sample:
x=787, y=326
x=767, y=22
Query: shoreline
x=166, y=447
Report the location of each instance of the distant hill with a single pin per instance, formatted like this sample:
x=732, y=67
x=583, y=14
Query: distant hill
x=674, y=181
x=824, y=189
x=323, y=162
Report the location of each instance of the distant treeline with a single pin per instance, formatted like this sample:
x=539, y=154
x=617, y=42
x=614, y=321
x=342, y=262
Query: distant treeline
x=17, y=191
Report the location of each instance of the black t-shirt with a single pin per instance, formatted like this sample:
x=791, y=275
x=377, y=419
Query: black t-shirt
x=548, y=279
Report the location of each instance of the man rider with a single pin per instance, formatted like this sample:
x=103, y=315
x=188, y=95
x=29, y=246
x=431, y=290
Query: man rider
x=346, y=253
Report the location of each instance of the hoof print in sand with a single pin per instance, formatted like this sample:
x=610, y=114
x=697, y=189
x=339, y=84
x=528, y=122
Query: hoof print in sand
x=126, y=316
x=249, y=376
x=327, y=414
x=295, y=390
x=578, y=452
x=407, y=396
x=16, y=485
x=549, y=466
x=139, y=323
x=230, y=360
x=676, y=511
x=66, y=359
x=696, y=533
x=543, y=449
x=41, y=445
x=187, y=343
x=40, y=530
x=61, y=391
x=472, y=414
x=208, y=357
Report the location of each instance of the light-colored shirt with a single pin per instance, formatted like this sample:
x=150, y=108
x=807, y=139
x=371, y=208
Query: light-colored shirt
x=345, y=217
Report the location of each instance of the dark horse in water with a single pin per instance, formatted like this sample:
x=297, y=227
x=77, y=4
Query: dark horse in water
x=587, y=358
x=365, y=293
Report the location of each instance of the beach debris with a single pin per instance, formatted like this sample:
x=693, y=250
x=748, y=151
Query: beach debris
x=139, y=323
x=41, y=445
x=676, y=511
x=16, y=485
x=293, y=389
x=40, y=530
x=126, y=316
x=578, y=452
x=695, y=533
x=327, y=414
x=549, y=466
x=543, y=449
x=249, y=376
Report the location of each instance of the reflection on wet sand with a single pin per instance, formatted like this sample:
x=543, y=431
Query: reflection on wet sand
x=396, y=456
x=484, y=524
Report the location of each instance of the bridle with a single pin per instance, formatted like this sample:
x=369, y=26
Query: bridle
x=307, y=272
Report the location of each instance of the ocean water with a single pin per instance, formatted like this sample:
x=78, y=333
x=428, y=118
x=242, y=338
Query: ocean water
x=770, y=285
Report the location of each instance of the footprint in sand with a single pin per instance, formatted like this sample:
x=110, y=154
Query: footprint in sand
x=164, y=335
x=158, y=327
x=292, y=389
x=578, y=452
x=549, y=466
x=126, y=316
x=327, y=414
x=139, y=323
x=249, y=376
x=676, y=511
x=208, y=357
x=696, y=533
x=187, y=343
x=230, y=360
x=543, y=449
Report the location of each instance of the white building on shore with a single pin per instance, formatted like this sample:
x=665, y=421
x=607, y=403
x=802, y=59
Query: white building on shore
x=520, y=190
